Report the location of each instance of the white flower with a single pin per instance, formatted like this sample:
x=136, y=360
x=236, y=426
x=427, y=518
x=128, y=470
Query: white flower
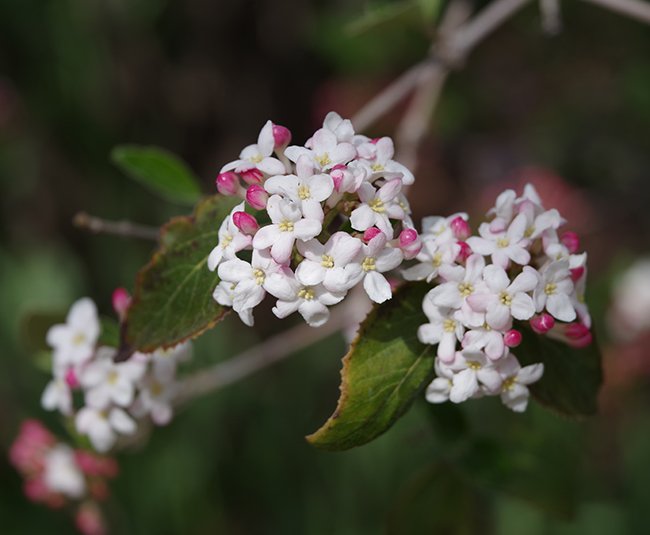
x=258, y=155
x=105, y=381
x=461, y=282
x=431, y=258
x=474, y=374
x=325, y=151
x=74, y=342
x=554, y=291
x=378, y=258
x=504, y=298
x=165, y=361
x=306, y=189
x=487, y=339
x=310, y=301
x=341, y=128
x=288, y=225
x=503, y=246
x=514, y=389
x=249, y=280
x=378, y=207
x=224, y=293
x=61, y=473
x=444, y=329
x=102, y=426
x=379, y=154
x=155, y=398
x=231, y=240
x=349, y=178
x=331, y=264
x=439, y=389
x=537, y=221
x=57, y=396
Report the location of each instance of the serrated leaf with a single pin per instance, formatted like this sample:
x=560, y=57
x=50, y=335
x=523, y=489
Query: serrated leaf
x=160, y=171
x=172, y=300
x=385, y=369
x=572, y=377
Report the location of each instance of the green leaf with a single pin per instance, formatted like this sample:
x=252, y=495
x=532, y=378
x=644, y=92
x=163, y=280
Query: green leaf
x=385, y=369
x=429, y=9
x=110, y=334
x=383, y=16
x=160, y=171
x=172, y=300
x=572, y=377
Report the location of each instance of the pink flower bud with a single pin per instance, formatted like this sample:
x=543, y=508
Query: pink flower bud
x=542, y=324
x=578, y=335
x=121, y=301
x=465, y=251
x=370, y=234
x=252, y=176
x=337, y=177
x=257, y=196
x=460, y=228
x=577, y=273
x=89, y=520
x=512, y=338
x=245, y=222
x=71, y=378
x=410, y=243
x=227, y=183
x=375, y=140
x=571, y=241
x=281, y=136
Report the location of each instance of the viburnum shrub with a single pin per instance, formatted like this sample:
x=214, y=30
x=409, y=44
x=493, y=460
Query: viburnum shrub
x=457, y=314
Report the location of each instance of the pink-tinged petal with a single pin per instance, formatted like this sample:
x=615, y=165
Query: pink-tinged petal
x=518, y=255
x=465, y=385
x=281, y=286
x=234, y=270
x=329, y=298
x=496, y=278
x=490, y=379
x=526, y=281
x=294, y=152
x=429, y=333
x=385, y=150
x=264, y=238
x=239, y=241
x=494, y=348
x=498, y=316
x=342, y=153
x=323, y=141
x=480, y=302
x=306, y=229
x=530, y=374
x=344, y=248
x=481, y=245
x=474, y=268
x=395, y=211
x=266, y=140
x=312, y=209
x=340, y=279
x=447, y=347
x=522, y=307
x=377, y=287
x=407, y=177
x=312, y=249
x=321, y=187
x=274, y=208
x=122, y=422
x=560, y=307
x=517, y=228
x=452, y=273
x=283, y=247
x=161, y=414
x=390, y=190
x=310, y=273
x=500, y=258
x=314, y=313
x=418, y=272
x=286, y=185
x=438, y=390
x=366, y=192
x=362, y=217
x=388, y=259
x=304, y=166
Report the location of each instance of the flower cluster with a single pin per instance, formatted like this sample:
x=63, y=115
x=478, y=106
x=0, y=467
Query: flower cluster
x=56, y=475
x=114, y=393
x=519, y=268
x=325, y=217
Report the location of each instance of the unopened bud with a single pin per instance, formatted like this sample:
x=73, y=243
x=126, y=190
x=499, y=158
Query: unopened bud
x=578, y=335
x=121, y=301
x=227, y=183
x=370, y=234
x=245, y=222
x=512, y=338
x=577, y=273
x=252, y=176
x=460, y=228
x=410, y=243
x=257, y=196
x=281, y=136
x=542, y=324
x=465, y=251
x=71, y=378
x=571, y=241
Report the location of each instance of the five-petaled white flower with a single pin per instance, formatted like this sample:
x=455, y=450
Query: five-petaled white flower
x=473, y=375
x=377, y=257
x=510, y=244
x=231, y=240
x=554, y=291
x=378, y=206
x=444, y=328
x=258, y=155
x=325, y=151
x=514, y=388
x=61, y=472
x=103, y=425
x=380, y=154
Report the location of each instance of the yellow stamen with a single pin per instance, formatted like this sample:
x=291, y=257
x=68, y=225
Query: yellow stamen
x=368, y=264
x=323, y=159
x=259, y=276
x=449, y=325
x=304, y=192
x=506, y=299
x=286, y=226
x=377, y=205
x=465, y=289
x=550, y=288
x=306, y=293
x=327, y=261
x=503, y=242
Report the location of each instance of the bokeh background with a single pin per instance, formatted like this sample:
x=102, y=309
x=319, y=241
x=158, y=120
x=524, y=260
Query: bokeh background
x=199, y=77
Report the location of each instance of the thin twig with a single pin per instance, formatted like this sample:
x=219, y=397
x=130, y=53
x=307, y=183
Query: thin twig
x=118, y=228
x=636, y=9
x=270, y=351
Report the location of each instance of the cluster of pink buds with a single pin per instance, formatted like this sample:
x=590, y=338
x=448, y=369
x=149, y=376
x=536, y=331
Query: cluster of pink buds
x=57, y=475
x=315, y=221
x=115, y=394
x=520, y=268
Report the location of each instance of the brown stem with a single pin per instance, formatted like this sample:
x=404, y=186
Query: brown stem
x=117, y=228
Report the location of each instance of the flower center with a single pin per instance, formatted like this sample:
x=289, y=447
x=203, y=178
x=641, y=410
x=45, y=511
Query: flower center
x=473, y=365
x=508, y=384
x=440, y=230
x=376, y=167
x=529, y=231
x=437, y=260
x=303, y=192
x=112, y=377
x=377, y=205
x=323, y=159
x=78, y=339
x=505, y=298
x=550, y=288
x=368, y=264
x=503, y=242
x=259, y=276
x=465, y=289
x=226, y=240
x=156, y=389
x=286, y=226
x=327, y=261
x=449, y=325
x=256, y=159
x=306, y=293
